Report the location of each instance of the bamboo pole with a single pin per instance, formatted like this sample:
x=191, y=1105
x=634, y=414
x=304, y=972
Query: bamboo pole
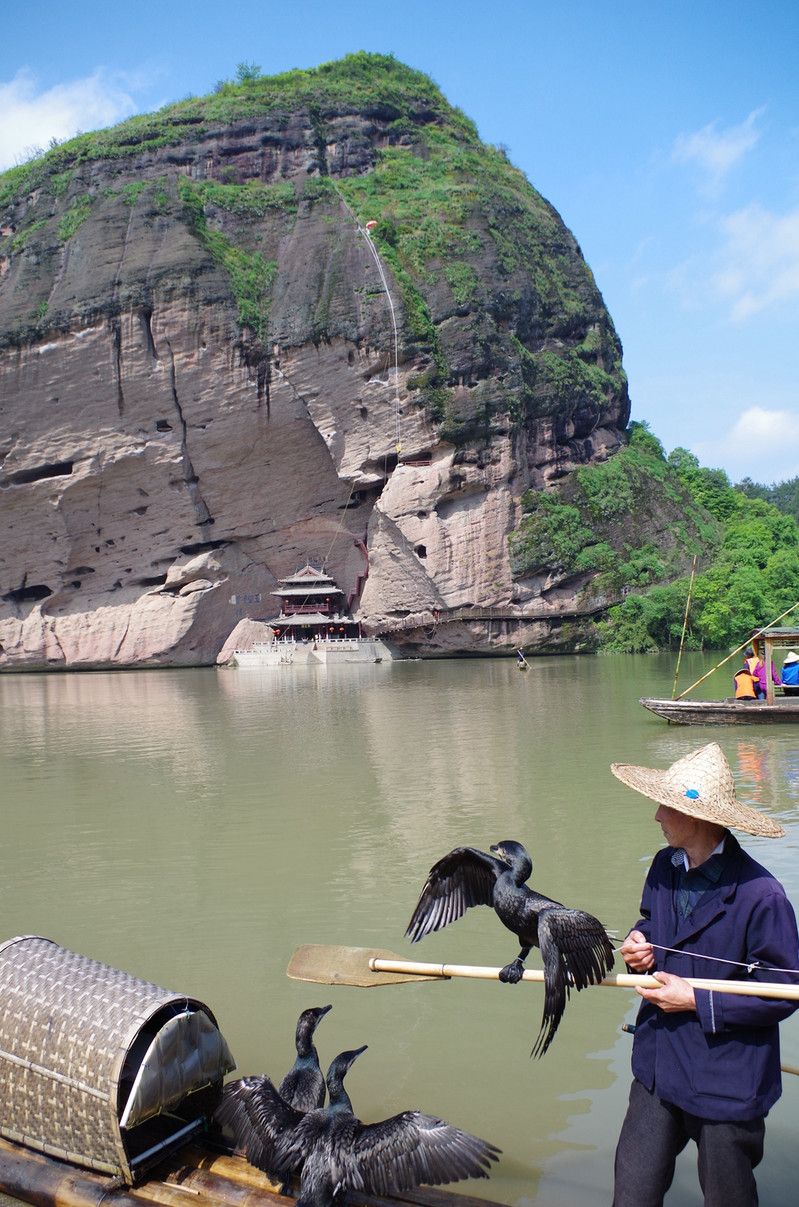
x=684, y=627
x=619, y=980
x=743, y=644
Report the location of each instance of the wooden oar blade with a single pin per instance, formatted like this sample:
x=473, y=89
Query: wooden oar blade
x=344, y=966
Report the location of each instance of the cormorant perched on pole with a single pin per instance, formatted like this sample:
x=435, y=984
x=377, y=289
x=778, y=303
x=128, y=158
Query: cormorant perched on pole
x=575, y=948
x=303, y=1086
x=335, y=1153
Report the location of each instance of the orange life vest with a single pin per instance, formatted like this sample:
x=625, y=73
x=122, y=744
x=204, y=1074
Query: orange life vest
x=745, y=685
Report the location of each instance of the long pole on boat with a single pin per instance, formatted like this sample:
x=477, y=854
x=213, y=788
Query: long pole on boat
x=684, y=627
x=738, y=649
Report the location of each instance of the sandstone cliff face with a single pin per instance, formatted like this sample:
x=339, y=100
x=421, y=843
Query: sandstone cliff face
x=204, y=382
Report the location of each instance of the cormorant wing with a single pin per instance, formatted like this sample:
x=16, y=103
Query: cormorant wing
x=263, y=1124
x=463, y=878
x=575, y=950
x=413, y=1149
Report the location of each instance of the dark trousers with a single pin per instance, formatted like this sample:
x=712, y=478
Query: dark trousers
x=654, y=1133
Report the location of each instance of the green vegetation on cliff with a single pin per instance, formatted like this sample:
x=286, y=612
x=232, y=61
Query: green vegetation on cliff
x=249, y=273
x=631, y=518
x=377, y=85
x=603, y=521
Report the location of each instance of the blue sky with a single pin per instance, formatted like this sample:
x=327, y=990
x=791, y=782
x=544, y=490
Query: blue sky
x=665, y=134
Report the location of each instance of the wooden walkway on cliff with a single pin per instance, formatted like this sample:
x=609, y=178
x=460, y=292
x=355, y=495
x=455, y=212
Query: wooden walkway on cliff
x=431, y=619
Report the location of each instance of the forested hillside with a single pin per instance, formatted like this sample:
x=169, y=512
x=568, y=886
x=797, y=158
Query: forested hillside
x=747, y=570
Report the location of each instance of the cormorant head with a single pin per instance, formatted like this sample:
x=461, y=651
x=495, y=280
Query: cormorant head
x=514, y=854
x=336, y=1074
x=308, y=1022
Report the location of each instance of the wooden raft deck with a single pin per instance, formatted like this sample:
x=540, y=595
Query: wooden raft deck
x=192, y=1177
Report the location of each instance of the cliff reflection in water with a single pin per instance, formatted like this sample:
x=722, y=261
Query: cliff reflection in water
x=193, y=827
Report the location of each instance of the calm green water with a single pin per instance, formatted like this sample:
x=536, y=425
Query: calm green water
x=194, y=827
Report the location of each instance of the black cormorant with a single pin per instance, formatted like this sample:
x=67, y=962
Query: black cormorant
x=335, y=1153
x=575, y=948
x=303, y=1086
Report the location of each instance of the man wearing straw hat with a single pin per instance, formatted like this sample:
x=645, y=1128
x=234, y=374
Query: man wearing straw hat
x=706, y=1064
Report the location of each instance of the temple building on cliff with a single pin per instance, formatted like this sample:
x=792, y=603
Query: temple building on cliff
x=312, y=608
x=313, y=626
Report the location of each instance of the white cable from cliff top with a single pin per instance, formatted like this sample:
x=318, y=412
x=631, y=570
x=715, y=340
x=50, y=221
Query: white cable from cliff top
x=379, y=265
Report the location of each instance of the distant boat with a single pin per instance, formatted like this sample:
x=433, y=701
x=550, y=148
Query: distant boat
x=784, y=711
x=776, y=709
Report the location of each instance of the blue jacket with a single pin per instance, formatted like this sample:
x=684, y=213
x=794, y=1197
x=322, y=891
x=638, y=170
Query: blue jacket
x=722, y=1063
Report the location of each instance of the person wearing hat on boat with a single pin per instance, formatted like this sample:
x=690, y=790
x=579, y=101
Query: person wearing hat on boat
x=745, y=684
x=706, y=1064
x=790, y=674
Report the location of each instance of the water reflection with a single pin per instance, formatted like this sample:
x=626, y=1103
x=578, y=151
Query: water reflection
x=194, y=827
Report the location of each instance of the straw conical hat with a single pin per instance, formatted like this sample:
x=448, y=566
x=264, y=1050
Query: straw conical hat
x=700, y=785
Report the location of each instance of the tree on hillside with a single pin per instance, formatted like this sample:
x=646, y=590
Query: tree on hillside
x=247, y=72
x=782, y=495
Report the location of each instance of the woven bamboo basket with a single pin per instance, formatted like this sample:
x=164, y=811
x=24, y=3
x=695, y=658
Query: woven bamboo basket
x=97, y=1067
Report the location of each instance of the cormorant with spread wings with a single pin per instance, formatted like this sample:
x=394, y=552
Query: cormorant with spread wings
x=575, y=948
x=334, y=1153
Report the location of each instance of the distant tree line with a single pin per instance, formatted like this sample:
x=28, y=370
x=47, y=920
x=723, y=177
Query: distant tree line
x=782, y=495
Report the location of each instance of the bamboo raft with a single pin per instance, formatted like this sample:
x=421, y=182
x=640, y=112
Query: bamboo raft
x=195, y=1176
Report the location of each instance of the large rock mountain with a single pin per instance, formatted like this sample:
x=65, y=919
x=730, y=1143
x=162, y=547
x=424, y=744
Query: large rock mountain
x=309, y=317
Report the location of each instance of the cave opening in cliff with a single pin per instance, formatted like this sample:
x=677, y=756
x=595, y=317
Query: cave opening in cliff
x=27, y=594
x=201, y=547
x=56, y=469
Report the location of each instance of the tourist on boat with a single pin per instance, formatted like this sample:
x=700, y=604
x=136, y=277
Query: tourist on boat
x=746, y=684
x=790, y=674
x=757, y=666
x=762, y=684
x=706, y=1064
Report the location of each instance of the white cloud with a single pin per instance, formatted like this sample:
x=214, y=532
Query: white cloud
x=30, y=119
x=748, y=261
x=759, y=259
x=716, y=151
x=762, y=445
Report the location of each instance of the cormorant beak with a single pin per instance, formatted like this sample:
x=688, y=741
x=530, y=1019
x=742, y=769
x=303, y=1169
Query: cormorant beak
x=353, y=1056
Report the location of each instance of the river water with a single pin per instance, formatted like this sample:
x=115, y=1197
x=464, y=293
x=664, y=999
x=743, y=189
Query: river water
x=194, y=827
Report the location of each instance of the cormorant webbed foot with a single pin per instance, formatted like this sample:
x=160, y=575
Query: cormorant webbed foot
x=511, y=974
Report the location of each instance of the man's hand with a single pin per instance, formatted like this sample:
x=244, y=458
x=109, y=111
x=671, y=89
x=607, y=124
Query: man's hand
x=675, y=995
x=636, y=950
